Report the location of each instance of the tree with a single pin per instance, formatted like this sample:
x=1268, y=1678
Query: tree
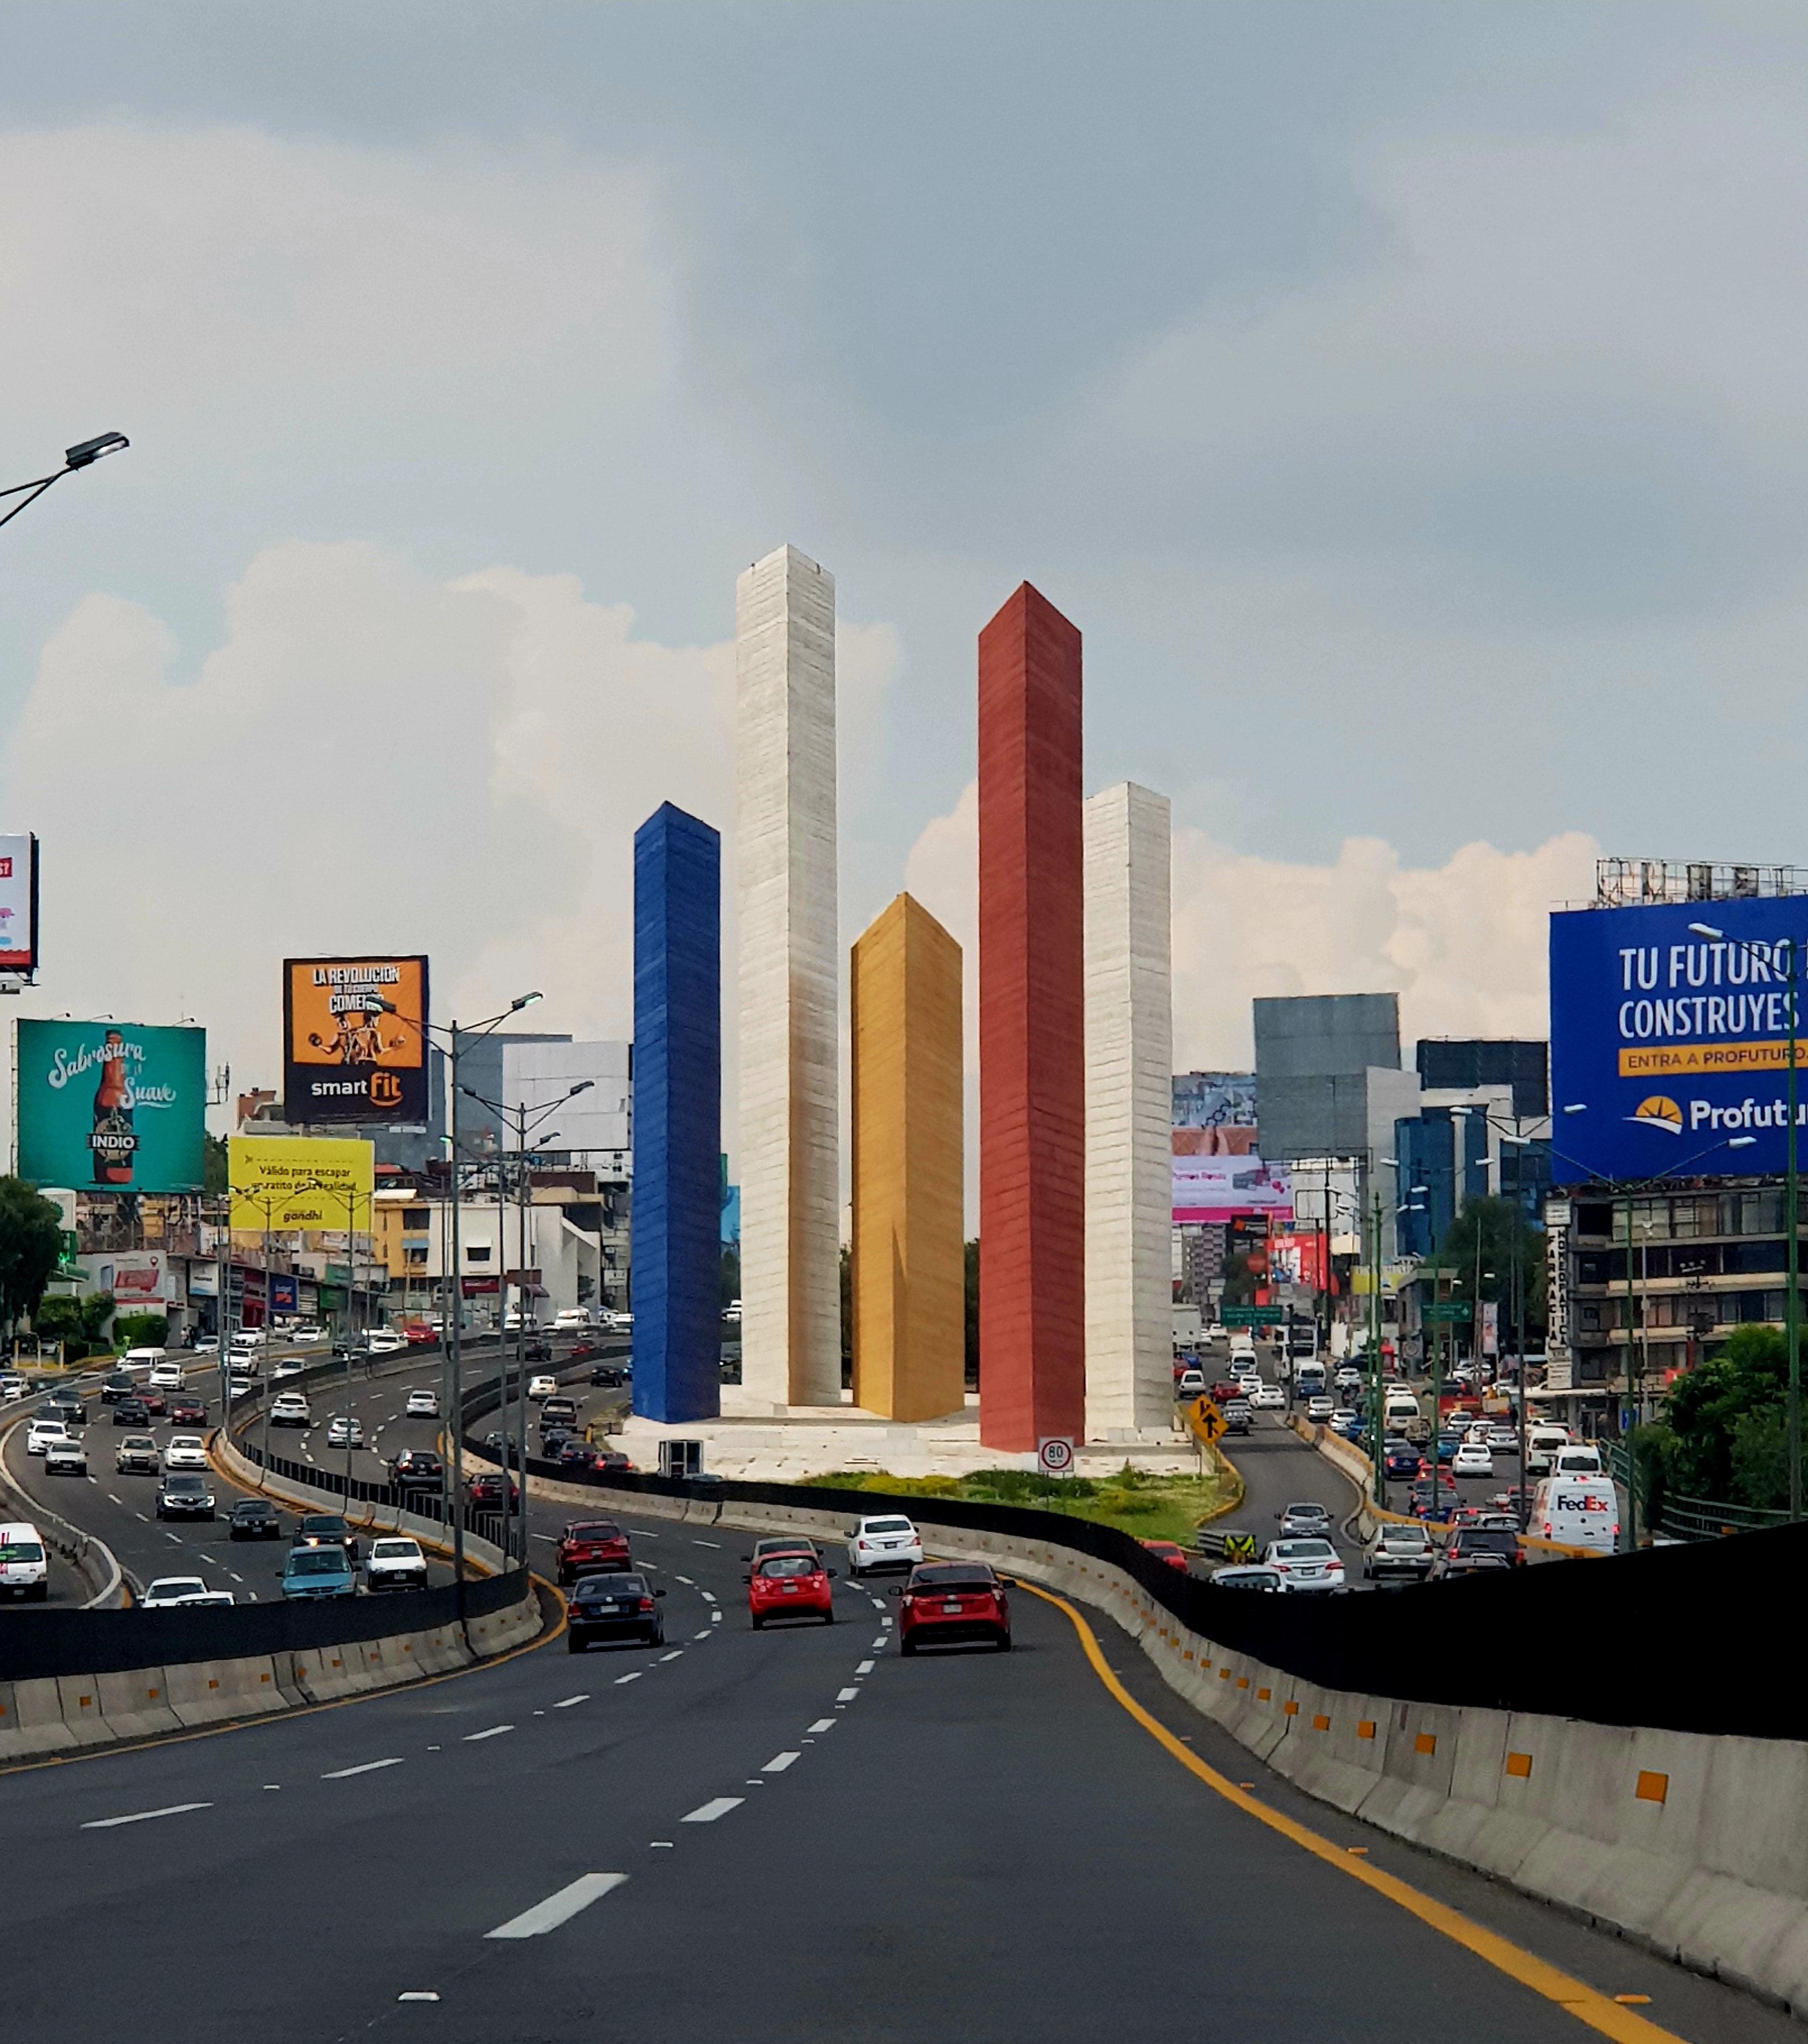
x=1722, y=1434
x=1495, y=1224
x=213, y=1163
x=76, y=1323
x=30, y=1241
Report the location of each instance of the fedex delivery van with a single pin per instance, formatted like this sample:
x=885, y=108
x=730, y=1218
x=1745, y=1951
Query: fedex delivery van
x=1578, y=1511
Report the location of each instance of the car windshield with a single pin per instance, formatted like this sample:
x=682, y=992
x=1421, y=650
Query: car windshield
x=395, y=1550
x=594, y=1529
x=317, y=1562
x=321, y=1527
x=185, y=1440
x=1307, y=1512
x=953, y=1576
x=139, y=1443
x=183, y=1486
x=789, y=1564
x=608, y=1587
x=175, y=1586
x=1403, y=1536
x=888, y=1525
x=1304, y=1550
x=21, y=1551
x=252, y=1507
x=1245, y=1579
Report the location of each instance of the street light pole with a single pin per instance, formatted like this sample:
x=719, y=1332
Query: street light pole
x=83, y=454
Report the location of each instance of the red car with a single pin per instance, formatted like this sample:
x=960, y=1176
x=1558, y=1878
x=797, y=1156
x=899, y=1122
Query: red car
x=152, y=1401
x=1169, y=1551
x=794, y=1585
x=485, y=1493
x=417, y=1336
x=187, y=1411
x=589, y=1546
x=948, y=1602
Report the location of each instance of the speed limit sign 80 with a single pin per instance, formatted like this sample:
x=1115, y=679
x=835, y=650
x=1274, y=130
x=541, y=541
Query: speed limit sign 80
x=1055, y=1453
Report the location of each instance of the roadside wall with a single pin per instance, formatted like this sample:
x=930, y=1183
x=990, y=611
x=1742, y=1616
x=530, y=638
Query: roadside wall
x=1691, y=1844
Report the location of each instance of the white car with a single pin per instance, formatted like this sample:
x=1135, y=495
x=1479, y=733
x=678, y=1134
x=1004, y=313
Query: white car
x=289, y=1408
x=168, y=1590
x=41, y=1433
x=343, y=1433
x=1347, y=1379
x=422, y=1405
x=883, y=1543
x=1502, y=1441
x=290, y=1366
x=1307, y=1565
x=165, y=1376
x=543, y=1387
x=384, y=1341
x=307, y=1337
x=1268, y=1398
x=572, y=1316
x=1319, y=1409
x=185, y=1451
x=1471, y=1459
x=1191, y=1384
x=12, y=1385
x=207, y=1345
x=67, y=1458
x=395, y=1565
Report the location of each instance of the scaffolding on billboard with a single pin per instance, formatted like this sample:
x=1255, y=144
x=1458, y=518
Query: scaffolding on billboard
x=1634, y=883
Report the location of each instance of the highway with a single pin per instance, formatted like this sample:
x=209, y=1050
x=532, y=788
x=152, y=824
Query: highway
x=794, y=1834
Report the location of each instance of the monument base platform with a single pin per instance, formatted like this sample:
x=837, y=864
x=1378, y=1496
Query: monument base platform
x=758, y=1441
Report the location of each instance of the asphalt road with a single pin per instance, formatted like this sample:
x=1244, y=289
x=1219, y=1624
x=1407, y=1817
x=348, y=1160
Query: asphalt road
x=122, y=1511
x=788, y=1835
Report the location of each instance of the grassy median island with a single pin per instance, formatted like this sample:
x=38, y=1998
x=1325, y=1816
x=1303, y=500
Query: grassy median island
x=1149, y=1508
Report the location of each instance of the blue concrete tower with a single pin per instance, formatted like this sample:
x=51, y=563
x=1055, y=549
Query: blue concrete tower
x=677, y=1247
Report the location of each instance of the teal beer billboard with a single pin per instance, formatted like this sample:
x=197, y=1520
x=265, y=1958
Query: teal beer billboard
x=110, y=1106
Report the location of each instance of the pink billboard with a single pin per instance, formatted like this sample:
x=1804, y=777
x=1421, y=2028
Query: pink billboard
x=1219, y=1188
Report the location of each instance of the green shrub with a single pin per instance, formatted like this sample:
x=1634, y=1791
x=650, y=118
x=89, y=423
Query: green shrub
x=140, y=1331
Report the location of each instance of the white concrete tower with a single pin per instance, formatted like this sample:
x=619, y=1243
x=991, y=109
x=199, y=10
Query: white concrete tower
x=1130, y=1047
x=789, y=940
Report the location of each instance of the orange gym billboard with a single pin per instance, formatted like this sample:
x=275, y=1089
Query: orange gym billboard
x=355, y=1041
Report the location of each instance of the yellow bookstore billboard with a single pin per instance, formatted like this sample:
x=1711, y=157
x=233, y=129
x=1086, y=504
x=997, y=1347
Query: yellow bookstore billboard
x=293, y=1182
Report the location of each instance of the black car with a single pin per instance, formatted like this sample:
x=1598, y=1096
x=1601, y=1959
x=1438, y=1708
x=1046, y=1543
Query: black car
x=614, y=1606
x=73, y=1411
x=254, y=1518
x=418, y=1469
x=608, y=1374
x=553, y=1442
x=117, y=1386
x=538, y=1350
x=132, y=1412
x=182, y=1496
x=326, y=1529
x=1476, y=1550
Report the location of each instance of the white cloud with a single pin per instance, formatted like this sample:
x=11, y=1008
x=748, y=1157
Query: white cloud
x=369, y=758
x=1463, y=944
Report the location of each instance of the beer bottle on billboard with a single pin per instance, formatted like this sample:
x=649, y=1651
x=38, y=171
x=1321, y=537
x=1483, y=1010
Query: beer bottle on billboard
x=113, y=1141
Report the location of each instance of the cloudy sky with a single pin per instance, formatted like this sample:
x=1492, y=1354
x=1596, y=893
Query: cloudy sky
x=1407, y=403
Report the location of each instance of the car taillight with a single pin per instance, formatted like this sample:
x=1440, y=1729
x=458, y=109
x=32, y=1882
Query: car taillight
x=646, y=1604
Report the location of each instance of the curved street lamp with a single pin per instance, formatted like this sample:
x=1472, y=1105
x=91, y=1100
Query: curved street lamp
x=83, y=454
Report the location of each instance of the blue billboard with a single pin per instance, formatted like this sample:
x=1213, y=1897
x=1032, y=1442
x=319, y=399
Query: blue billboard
x=1669, y=1045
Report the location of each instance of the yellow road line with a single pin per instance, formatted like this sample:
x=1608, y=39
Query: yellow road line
x=1600, y=2012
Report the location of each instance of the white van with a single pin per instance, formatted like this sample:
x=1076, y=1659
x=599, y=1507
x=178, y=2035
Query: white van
x=1578, y=1459
x=24, y=1567
x=1578, y=1511
x=1401, y=1409
x=1542, y=1441
x=139, y=1359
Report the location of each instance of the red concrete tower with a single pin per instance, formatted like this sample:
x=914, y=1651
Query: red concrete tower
x=1032, y=1089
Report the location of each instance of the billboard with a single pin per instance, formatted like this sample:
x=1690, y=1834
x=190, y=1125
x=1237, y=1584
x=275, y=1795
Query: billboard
x=346, y=1057
x=18, y=905
x=1215, y=1189
x=111, y=1107
x=285, y=1182
x=1214, y=1114
x=138, y=1279
x=1667, y=1046
x=576, y=1098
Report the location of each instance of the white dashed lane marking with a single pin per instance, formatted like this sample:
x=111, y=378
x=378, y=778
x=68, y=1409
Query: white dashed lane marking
x=780, y=1761
x=715, y=1544
x=673, y=1656
x=845, y=1696
x=821, y=1724
x=565, y=1703
x=368, y=1767
x=865, y=1668
x=142, y=1816
x=495, y=1731
x=706, y=1813
x=559, y=1907
x=634, y=1677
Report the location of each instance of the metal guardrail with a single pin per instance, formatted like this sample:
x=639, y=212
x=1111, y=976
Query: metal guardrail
x=1680, y=1517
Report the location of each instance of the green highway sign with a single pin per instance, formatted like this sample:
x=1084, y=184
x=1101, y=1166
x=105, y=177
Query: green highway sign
x=1251, y=1316
x=1444, y=1311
